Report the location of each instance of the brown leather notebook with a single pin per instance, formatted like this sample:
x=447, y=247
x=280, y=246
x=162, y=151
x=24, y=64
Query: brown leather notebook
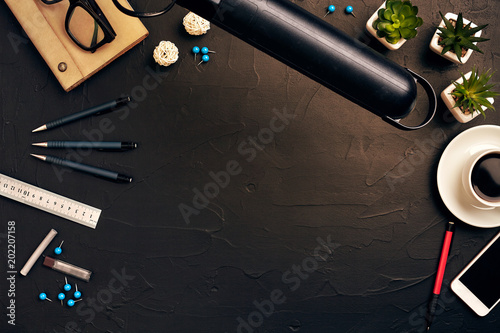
x=44, y=25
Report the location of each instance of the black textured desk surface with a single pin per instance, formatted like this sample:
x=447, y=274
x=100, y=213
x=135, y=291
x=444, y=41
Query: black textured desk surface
x=301, y=225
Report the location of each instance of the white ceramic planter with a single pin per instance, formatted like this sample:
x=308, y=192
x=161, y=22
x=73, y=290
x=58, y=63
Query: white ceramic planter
x=434, y=46
x=371, y=30
x=450, y=102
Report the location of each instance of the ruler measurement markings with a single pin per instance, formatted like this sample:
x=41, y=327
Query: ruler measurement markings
x=48, y=201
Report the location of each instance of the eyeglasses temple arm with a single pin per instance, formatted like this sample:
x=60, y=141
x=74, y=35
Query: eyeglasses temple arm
x=143, y=14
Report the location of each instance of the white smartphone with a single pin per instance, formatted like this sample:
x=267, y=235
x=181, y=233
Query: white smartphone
x=478, y=285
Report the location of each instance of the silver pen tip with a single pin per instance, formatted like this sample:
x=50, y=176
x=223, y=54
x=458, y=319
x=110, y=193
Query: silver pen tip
x=40, y=144
x=38, y=156
x=41, y=128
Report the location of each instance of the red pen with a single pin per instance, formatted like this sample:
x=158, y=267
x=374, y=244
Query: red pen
x=440, y=273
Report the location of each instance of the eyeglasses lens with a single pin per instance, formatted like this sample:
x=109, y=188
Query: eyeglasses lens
x=84, y=28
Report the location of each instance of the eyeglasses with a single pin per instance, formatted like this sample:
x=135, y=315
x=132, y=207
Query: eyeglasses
x=143, y=14
x=86, y=24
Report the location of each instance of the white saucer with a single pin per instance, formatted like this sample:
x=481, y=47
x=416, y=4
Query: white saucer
x=449, y=175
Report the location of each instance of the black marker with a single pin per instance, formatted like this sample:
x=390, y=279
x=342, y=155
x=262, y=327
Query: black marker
x=99, y=109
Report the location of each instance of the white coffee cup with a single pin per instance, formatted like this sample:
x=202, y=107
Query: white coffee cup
x=475, y=199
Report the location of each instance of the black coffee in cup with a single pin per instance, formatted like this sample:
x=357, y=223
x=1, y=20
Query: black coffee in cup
x=485, y=177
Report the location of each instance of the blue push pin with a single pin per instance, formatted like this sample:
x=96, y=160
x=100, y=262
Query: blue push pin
x=67, y=286
x=71, y=302
x=349, y=10
x=330, y=9
x=77, y=294
x=43, y=297
x=205, y=50
x=61, y=296
x=205, y=58
x=196, y=50
x=58, y=250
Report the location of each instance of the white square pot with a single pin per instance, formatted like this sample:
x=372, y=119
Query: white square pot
x=434, y=46
x=456, y=111
x=371, y=30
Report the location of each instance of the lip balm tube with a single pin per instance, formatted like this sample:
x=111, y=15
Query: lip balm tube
x=38, y=252
x=69, y=269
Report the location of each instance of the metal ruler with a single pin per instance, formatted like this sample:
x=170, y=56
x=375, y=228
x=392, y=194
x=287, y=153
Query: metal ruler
x=48, y=201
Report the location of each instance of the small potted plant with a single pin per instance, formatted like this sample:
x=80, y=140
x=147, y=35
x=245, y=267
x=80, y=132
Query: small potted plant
x=455, y=39
x=394, y=23
x=470, y=95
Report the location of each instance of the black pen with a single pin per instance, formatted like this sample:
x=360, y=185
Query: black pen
x=450, y=228
x=99, y=109
x=111, y=175
x=99, y=145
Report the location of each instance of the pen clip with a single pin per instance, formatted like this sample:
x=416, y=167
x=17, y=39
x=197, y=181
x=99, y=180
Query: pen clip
x=125, y=146
x=111, y=149
x=120, y=179
x=122, y=101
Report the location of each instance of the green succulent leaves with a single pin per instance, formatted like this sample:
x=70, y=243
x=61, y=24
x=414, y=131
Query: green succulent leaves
x=397, y=20
x=458, y=37
x=472, y=93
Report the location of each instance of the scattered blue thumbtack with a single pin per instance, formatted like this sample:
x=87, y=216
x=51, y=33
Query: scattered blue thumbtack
x=67, y=286
x=205, y=50
x=330, y=9
x=77, y=294
x=58, y=250
x=61, y=296
x=196, y=50
x=205, y=58
x=71, y=302
x=43, y=297
x=349, y=10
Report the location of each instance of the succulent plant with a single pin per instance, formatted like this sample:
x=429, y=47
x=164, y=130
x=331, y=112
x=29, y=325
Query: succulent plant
x=472, y=93
x=458, y=37
x=397, y=20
